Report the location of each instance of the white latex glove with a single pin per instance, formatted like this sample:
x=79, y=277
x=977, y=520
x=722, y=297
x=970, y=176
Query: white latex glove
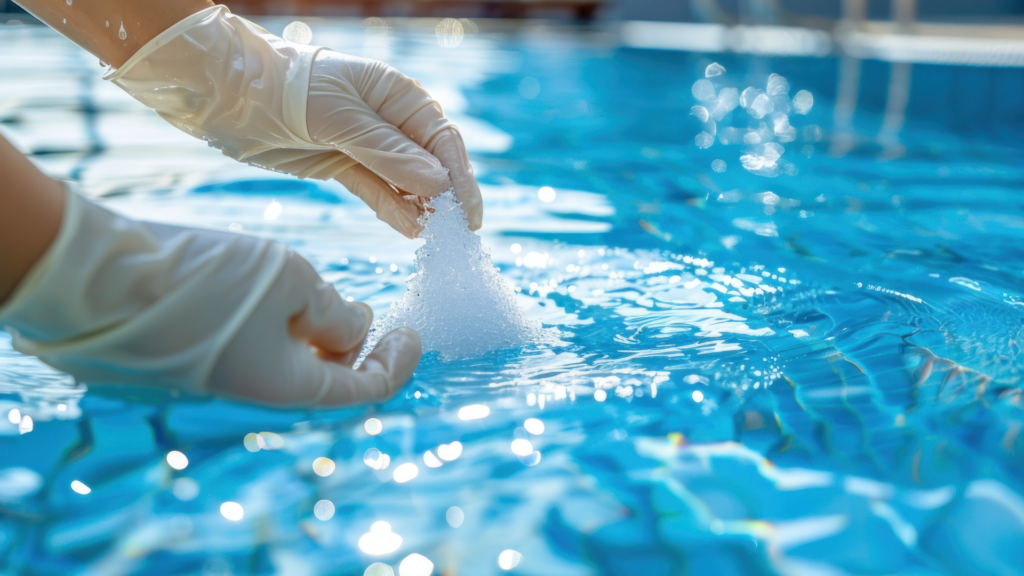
x=304, y=110
x=121, y=301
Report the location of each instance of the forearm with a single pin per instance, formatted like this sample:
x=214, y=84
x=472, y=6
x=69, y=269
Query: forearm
x=31, y=209
x=96, y=24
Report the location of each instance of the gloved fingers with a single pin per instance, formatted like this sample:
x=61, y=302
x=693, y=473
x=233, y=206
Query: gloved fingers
x=397, y=211
x=400, y=165
x=392, y=96
x=338, y=114
x=451, y=151
x=334, y=328
x=382, y=373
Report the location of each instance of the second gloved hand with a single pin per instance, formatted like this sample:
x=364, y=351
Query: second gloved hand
x=299, y=344
x=122, y=301
x=305, y=110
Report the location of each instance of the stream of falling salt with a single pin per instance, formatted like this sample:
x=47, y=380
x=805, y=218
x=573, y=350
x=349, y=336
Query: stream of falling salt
x=456, y=299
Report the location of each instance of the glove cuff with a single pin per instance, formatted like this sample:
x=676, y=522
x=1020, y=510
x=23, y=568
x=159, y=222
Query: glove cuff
x=215, y=73
x=114, y=300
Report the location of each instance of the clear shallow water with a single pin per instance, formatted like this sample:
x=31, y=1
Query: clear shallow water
x=860, y=415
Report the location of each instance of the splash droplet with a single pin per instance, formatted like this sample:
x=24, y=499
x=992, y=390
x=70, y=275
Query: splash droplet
x=802, y=102
x=703, y=90
x=121, y=33
x=324, y=510
x=714, y=69
x=449, y=33
x=455, y=516
x=760, y=106
x=777, y=85
x=298, y=32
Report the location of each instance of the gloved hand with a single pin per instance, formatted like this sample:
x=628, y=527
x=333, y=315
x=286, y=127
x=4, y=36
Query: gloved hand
x=304, y=110
x=116, y=300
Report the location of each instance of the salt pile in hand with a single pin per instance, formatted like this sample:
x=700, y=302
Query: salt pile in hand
x=456, y=299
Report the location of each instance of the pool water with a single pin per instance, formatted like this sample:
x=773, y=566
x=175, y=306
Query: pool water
x=813, y=373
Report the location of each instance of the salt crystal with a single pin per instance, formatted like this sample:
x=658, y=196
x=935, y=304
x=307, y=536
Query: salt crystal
x=700, y=112
x=765, y=161
x=777, y=85
x=760, y=106
x=773, y=151
x=780, y=103
x=728, y=100
x=784, y=132
x=718, y=166
x=704, y=140
x=802, y=102
x=714, y=69
x=730, y=135
x=457, y=301
x=703, y=90
x=748, y=95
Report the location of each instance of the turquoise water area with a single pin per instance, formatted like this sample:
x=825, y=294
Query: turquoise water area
x=817, y=372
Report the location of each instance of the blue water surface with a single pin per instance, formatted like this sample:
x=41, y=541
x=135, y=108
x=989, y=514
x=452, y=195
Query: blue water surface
x=817, y=372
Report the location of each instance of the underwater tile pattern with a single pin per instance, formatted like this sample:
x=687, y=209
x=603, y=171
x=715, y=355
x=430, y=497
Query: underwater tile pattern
x=805, y=362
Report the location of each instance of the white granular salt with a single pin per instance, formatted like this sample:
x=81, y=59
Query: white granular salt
x=456, y=299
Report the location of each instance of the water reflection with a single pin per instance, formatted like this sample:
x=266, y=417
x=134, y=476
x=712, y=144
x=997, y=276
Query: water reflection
x=177, y=460
x=232, y=511
x=509, y=559
x=380, y=540
x=405, y=472
x=324, y=510
x=736, y=362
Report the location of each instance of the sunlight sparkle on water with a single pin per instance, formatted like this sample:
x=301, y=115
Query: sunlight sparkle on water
x=522, y=447
x=177, y=460
x=373, y=426
x=232, y=511
x=415, y=565
x=509, y=559
x=534, y=426
x=250, y=442
x=450, y=452
x=269, y=441
x=455, y=516
x=273, y=210
x=474, y=412
x=698, y=396
x=323, y=466
x=379, y=540
x=185, y=489
x=324, y=510
x=376, y=459
x=430, y=460
x=379, y=569
x=546, y=194
x=405, y=472
x=80, y=487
